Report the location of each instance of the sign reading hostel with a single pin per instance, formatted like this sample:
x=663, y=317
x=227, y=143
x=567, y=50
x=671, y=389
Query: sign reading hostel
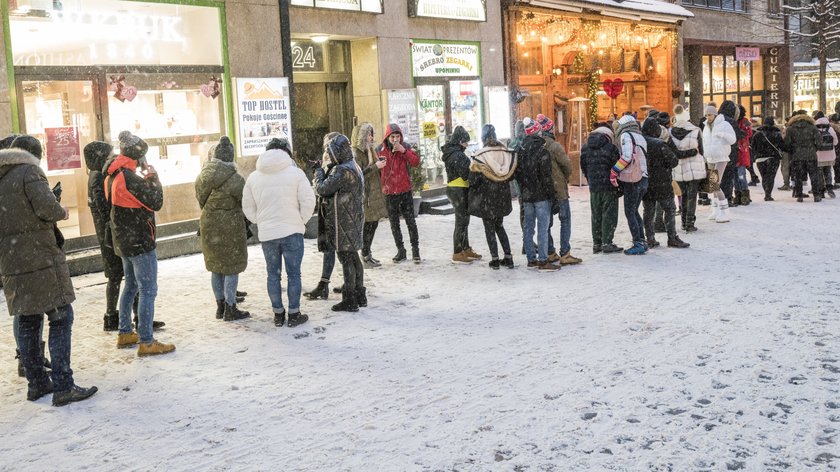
x=263, y=112
x=432, y=59
x=474, y=10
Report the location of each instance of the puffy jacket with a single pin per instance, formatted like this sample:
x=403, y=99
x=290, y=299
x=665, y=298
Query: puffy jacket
x=277, y=196
x=96, y=153
x=801, y=137
x=34, y=270
x=365, y=155
x=533, y=174
x=134, y=201
x=561, y=167
x=718, y=138
x=768, y=142
x=826, y=158
x=344, y=217
x=490, y=170
x=395, y=177
x=687, y=137
x=597, y=157
x=218, y=189
x=661, y=160
x=744, y=142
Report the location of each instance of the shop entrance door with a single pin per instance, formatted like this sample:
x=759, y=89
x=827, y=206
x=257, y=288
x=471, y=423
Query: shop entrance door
x=65, y=115
x=320, y=108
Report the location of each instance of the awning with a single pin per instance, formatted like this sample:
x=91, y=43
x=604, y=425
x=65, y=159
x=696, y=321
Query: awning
x=635, y=10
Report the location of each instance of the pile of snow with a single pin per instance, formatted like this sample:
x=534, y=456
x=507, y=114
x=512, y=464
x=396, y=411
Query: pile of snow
x=723, y=356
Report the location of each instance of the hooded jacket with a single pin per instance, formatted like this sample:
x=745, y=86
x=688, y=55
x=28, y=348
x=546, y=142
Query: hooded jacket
x=218, y=189
x=34, y=269
x=561, y=166
x=96, y=153
x=533, y=172
x=801, y=137
x=455, y=161
x=597, y=157
x=744, y=142
x=686, y=137
x=729, y=111
x=365, y=155
x=277, y=196
x=661, y=160
x=718, y=139
x=134, y=201
x=490, y=170
x=395, y=177
x=826, y=158
x=768, y=142
x=343, y=184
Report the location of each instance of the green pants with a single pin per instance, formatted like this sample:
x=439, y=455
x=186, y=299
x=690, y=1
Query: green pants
x=604, y=207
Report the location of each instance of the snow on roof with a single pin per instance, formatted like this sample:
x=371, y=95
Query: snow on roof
x=833, y=65
x=653, y=10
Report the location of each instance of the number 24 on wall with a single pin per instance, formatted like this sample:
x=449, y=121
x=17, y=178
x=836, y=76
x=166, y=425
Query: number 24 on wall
x=303, y=59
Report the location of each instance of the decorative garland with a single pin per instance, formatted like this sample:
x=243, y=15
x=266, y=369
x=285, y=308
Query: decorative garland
x=593, y=80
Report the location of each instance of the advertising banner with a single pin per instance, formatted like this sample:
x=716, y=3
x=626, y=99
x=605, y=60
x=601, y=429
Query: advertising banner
x=62, y=148
x=434, y=59
x=262, y=112
x=402, y=110
x=370, y=6
x=747, y=54
x=473, y=10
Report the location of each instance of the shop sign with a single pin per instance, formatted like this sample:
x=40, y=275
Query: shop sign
x=772, y=79
x=402, y=110
x=432, y=59
x=429, y=129
x=370, y=6
x=747, y=54
x=307, y=56
x=63, y=150
x=809, y=84
x=263, y=112
x=473, y=10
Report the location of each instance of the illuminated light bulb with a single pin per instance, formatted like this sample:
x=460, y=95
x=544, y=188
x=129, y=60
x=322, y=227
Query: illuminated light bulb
x=533, y=33
x=525, y=54
x=520, y=38
x=603, y=36
x=560, y=38
x=583, y=46
x=601, y=52
x=544, y=39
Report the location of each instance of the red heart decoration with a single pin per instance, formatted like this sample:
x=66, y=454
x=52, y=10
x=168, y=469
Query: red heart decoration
x=613, y=88
x=129, y=92
x=206, y=90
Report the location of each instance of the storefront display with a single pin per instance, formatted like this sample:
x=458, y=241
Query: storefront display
x=806, y=78
x=742, y=81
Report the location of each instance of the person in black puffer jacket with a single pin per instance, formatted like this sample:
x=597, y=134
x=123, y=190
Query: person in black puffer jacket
x=343, y=183
x=457, y=189
x=597, y=157
x=767, y=145
x=729, y=111
x=661, y=160
x=537, y=193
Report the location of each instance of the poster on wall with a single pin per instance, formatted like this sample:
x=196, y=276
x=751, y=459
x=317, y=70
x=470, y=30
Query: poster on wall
x=498, y=110
x=472, y=10
x=370, y=6
x=436, y=59
x=62, y=148
x=263, y=112
x=402, y=110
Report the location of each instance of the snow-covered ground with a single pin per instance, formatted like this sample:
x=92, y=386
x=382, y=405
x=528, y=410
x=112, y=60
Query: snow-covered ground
x=723, y=356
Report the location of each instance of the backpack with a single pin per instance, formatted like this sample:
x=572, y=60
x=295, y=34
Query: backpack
x=825, y=142
x=633, y=172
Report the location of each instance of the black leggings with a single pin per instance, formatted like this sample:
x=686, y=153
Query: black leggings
x=112, y=295
x=403, y=205
x=351, y=266
x=368, y=232
x=768, y=171
x=492, y=228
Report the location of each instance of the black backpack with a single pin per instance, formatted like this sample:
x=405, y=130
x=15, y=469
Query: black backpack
x=826, y=141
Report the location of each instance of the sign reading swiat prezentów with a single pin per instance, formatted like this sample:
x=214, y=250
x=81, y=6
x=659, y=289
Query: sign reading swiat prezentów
x=433, y=59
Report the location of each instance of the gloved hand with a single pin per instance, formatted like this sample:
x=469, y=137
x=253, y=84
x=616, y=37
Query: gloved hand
x=314, y=165
x=613, y=178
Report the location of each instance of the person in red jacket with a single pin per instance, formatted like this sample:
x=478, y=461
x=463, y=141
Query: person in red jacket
x=395, y=157
x=742, y=189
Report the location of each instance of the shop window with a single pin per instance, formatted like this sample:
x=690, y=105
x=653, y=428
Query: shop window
x=774, y=7
x=707, y=74
x=530, y=60
x=726, y=5
x=731, y=78
x=758, y=74
x=745, y=76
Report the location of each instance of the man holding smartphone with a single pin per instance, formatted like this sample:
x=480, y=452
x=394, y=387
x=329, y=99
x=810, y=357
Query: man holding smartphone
x=396, y=185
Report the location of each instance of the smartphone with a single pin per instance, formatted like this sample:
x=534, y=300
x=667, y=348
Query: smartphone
x=381, y=158
x=57, y=191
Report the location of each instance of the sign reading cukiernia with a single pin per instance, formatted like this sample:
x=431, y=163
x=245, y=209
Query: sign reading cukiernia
x=433, y=59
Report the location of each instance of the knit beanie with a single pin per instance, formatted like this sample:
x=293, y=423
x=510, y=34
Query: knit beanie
x=224, y=150
x=531, y=126
x=710, y=110
x=681, y=113
x=546, y=125
x=488, y=133
x=132, y=146
x=29, y=144
x=652, y=113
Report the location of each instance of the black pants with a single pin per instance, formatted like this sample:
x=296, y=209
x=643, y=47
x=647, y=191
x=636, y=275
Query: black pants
x=837, y=171
x=368, y=232
x=768, y=171
x=688, y=209
x=826, y=172
x=460, y=236
x=403, y=205
x=670, y=209
x=803, y=170
x=727, y=180
x=61, y=328
x=354, y=273
x=112, y=295
x=495, y=227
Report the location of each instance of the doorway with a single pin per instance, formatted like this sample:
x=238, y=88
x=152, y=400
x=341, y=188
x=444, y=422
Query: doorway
x=320, y=108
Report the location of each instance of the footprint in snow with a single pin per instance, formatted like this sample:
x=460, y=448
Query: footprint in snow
x=302, y=335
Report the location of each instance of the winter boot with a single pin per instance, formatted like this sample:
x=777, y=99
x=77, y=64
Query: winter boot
x=232, y=313
x=830, y=191
x=817, y=197
x=127, y=339
x=39, y=388
x=736, y=199
x=723, y=212
x=508, y=261
x=652, y=243
x=220, y=309
x=610, y=248
x=338, y=289
x=296, y=319
x=400, y=256
x=111, y=322
x=745, y=197
x=361, y=297
x=154, y=348
x=677, y=242
x=714, y=213
x=156, y=325
x=415, y=255
x=472, y=254
x=768, y=198
x=241, y=294
x=495, y=264
x=370, y=262
x=320, y=292
x=348, y=302
x=461, y=258
x=280, y=319
x=74, y=394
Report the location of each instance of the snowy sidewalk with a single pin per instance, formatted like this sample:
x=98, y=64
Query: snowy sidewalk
x=723, y=356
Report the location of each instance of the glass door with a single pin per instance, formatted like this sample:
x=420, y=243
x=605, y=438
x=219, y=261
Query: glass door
x=65, y=115
x=465, y=100
x=431, y=102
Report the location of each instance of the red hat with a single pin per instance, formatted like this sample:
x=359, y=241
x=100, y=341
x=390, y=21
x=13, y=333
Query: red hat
x=545, y=122
x=531, y=126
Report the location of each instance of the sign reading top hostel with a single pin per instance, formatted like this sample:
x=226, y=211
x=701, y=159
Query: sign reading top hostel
x=433, y=59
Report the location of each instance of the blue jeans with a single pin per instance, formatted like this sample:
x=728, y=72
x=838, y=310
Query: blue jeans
x=743, y=182
x=565, y=216
x=290, y=250
x=224, y=287
x=140, y=276
x=633, y=193
x=328, y=265
x=539, y=214
x=61, y=330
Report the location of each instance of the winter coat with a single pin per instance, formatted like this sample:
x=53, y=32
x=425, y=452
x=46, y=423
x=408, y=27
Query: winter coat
x=96, y=153
x=375, y=207
x=34, y=269
x=729, y=111
x=801, y=137
x=277, y=196
x=395, y=176
x=768, y=142
x=626, y=135
x=826, y=158
x=490, y=170
x=533, y=174
x=457, y=165
x=686, y=137
x=344, y=218
x=134, y=201
x=661, y=160
x=744, y=143
x=561, y=167
x=218, y=189
x=597, y=157
x=718, y=138
x=836, y=128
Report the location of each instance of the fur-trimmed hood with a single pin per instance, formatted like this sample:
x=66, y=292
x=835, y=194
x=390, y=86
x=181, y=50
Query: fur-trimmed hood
x=9, y=158
x=496, y=163
x=797, y=118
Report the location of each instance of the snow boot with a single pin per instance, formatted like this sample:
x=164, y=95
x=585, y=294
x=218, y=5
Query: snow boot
x=817, y=198
x=280, y=319
x=154, y=348
x=830, y=191
x=610, y=248
x=111, y=322
x=361, y=297
x=652, y=243
x=127, y=339
x=745, y=197
x=735, y=200
x=415, y=255
x=723, y=212
x=232, y=313
x=296, y=319
x=508, y=261
x=461, y=258
x=714, y=213
x=400, y=256
x=220, y=309
x=495, y=264
x=74, y=394
x=320, y=292
x=472, y=254
x=677, y=242
x=348, y=302
x=39, y=388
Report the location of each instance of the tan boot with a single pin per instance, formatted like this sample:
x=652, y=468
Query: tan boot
x=553, y=257
x=154, y=348
x=471, y=254
x=569, y=259
x=125, y=340
x=461, y=258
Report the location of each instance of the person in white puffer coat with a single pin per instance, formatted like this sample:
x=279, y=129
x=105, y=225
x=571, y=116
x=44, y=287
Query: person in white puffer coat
x=691, y=170
x=718, y=138
x=279, y=200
